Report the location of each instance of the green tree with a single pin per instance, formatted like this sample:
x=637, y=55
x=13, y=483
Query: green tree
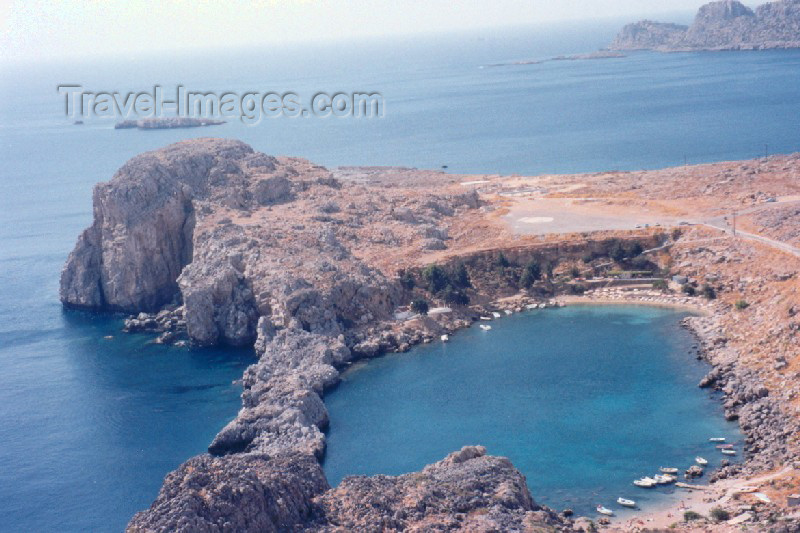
x=617, y=251
x=460, y=277
x=530, y=274
x=719, y=514
x=420, y=306
x=455, y=296
x=436, y=278
x=502, y=260
x=708, y=291
x=406, y=279
x=633, y=249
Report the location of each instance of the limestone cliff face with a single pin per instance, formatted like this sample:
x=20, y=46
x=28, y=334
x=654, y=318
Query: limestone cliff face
x=141, y=238
x=195, y=223
x=722, y=25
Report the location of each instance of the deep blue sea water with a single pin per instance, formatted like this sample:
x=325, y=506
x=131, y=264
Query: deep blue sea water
x=582, y=399
x=88, y=427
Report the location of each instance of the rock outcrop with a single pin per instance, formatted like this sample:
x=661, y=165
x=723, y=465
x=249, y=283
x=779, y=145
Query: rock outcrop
x=722, y=25
x=250, y=492
x=141, y=237
x=466, y=491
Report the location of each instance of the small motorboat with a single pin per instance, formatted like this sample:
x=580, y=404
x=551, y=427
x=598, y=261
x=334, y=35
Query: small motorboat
x=668, y=470
x=729, y=452
x=645, y=482
x=496, y=314
x=724, y=446
x=486, y=318
x=509, y=311
x=626, y=503
x=699, y=460
x=605, y=511
x=716, y=439
x=484, y=327
x=664, y=479
x=445, y=338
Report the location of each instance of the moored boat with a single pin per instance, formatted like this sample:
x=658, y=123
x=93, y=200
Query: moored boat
x=626, y=503
x=605, y=511
x=699, y=460
x=645, y=482
x=729, y=452
x=668, y=470
x=484, y=327
x=664, y=479
x=445, y=338
x=716, y=439
x=724, y=446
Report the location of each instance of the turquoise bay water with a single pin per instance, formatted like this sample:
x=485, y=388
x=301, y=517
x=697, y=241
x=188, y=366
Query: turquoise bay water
x=582, y=400
x=88, y=427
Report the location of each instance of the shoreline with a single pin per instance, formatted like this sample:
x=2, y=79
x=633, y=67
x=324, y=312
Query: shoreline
x=678, y=306
x=323, y=287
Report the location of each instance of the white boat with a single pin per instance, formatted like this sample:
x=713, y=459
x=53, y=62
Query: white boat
x=509, y=311
x=486, y=318
x=605, y=511
x=716, y=439
x=729, y=452
x=645, y=482
x=626, y=503
x=445, y=338
x=668, y=470
x=664, y=479
x=699, y=460
x=484, y=327
x=496, y=314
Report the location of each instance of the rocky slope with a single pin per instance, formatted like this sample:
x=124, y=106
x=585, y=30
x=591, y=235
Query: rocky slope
x=723, y=25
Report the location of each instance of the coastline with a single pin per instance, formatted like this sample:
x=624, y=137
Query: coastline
x=322, y=289
x=665, y=303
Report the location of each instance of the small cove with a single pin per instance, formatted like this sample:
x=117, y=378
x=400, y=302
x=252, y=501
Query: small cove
x=582, y=399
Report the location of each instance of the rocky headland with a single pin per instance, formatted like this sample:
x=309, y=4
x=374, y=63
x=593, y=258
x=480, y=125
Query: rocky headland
x=722, y=25
x=209, y=241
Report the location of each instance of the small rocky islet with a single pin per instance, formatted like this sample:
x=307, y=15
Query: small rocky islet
x=217, y=243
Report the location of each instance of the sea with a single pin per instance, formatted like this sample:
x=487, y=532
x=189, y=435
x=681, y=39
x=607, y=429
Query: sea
x=92, y=419
x=582, y=399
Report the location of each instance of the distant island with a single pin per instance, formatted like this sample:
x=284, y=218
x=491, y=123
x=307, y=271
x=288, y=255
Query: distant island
x=163, y=123
x=723, y=25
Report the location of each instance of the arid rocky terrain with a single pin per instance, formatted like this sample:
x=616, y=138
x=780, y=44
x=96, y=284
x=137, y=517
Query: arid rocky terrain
x=721, y=25
x=209, y=241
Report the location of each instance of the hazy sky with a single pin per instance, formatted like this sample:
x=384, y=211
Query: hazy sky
x=32, y=29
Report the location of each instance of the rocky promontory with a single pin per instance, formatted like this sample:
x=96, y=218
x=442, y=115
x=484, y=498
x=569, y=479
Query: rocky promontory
x=234, y=246
x=722, y=25
x=316, y=268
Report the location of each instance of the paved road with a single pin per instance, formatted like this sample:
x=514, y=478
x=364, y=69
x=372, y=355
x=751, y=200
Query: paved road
x=722, y=223
x=753, y=237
